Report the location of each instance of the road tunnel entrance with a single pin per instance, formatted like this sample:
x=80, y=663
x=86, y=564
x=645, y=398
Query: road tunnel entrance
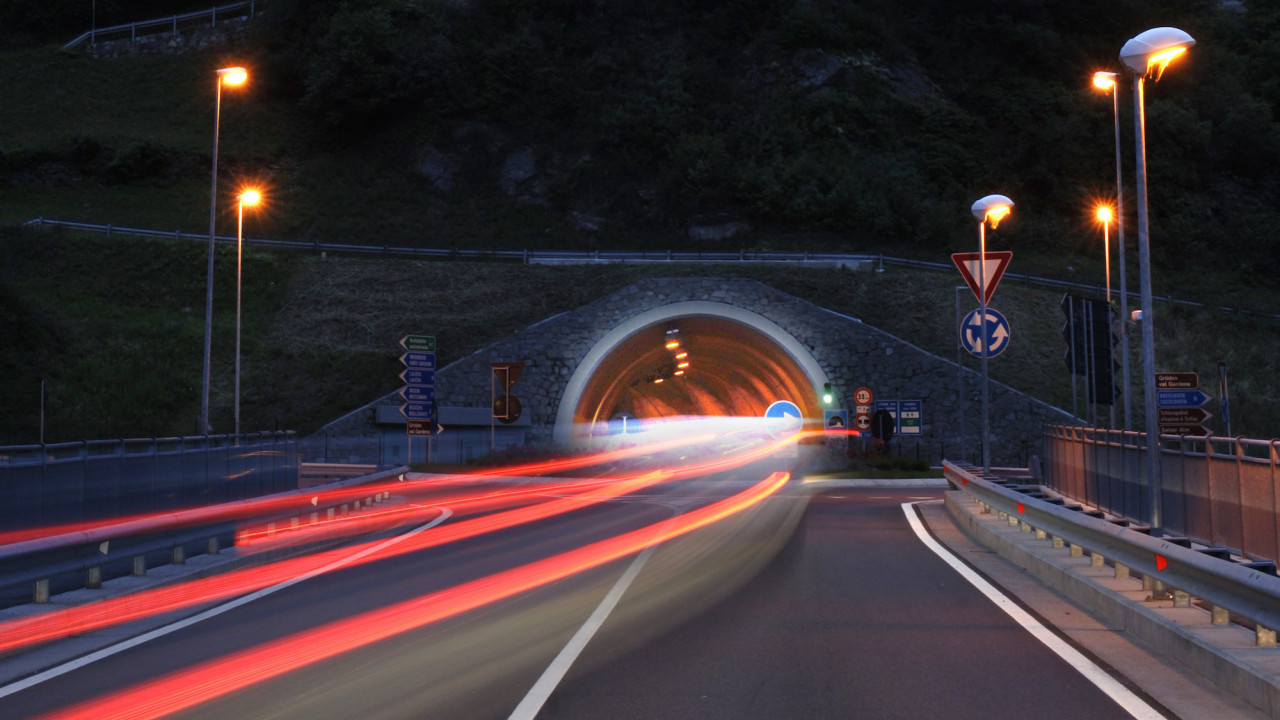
x=680, y=361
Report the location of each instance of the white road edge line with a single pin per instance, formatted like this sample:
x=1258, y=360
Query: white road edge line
x=538, y=694
x=1124, y=697
x=120, y=647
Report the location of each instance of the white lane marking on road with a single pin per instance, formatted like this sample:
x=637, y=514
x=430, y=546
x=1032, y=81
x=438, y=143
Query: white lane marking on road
x=120, y=647
x=541, y=691
x=1123, y=697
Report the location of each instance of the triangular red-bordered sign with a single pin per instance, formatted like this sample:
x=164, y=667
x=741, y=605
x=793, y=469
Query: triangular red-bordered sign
x=968, y=264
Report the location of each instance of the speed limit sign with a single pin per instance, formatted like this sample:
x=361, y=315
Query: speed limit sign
x=862, y=396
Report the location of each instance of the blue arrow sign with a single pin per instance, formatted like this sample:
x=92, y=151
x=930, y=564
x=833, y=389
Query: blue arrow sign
x=417, y=411
x=413, y=376
x=418, y=393
x=993, y=333
x=419, y=360
x=1181, y=398
x=783, y=418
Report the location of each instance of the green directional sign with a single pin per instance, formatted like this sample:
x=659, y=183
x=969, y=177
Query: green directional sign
x=418, y=343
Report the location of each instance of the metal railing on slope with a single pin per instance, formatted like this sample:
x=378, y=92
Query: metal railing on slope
x=170, y=22
x=564, y=257
x=1229, y=587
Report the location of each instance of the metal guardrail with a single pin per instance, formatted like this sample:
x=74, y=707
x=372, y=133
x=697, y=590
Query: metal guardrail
x=170, y=22
x=565, y=257
x=47, y=485
x=1164, y=563
x=1222, y=492
x=34, y=569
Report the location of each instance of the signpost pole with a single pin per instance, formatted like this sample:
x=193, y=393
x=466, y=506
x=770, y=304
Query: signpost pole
x=964, y=449
x=982, y=296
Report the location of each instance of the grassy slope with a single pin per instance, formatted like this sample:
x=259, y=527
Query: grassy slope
x=118, y=330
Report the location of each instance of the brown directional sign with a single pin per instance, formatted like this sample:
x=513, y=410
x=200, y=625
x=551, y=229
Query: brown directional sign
x=1182, y=415
x=1198, y=430
x=1177, y=381
x=1182, y=420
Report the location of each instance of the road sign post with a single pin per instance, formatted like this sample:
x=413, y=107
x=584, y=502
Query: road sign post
x=419, y=391
x=1179, y=402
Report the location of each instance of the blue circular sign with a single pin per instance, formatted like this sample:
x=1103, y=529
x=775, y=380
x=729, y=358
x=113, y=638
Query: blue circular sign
x=990, y=332
x=783, y=418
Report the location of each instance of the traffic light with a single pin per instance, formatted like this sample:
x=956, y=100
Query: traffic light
x=828, y=395
x=1090, y=340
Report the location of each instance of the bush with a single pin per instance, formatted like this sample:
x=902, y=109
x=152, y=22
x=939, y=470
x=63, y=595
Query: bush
x=138, y=163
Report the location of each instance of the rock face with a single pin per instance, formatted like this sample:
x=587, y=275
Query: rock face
x=850, y=353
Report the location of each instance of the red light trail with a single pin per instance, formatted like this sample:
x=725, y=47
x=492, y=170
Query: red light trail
x=216, y=678
x=67, y=622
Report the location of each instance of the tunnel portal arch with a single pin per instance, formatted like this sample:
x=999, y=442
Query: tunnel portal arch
x=738, y=363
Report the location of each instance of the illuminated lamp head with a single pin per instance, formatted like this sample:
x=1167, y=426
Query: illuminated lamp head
x=1104, y=80
x=992, y=209
x=233, y=75
x=1148, y=53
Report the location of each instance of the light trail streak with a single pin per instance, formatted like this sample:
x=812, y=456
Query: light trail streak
x=26, y=632
x=216, y=678
x=46, y=627
x=303, y=501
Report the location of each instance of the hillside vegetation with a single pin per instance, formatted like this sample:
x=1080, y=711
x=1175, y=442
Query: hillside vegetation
x=868, y=126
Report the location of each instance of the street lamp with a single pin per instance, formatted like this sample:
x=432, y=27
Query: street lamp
x=1107, y=81
x=248, y=197
x=1103, y=214
x=229, y=76
x=990, y=209
x=1148, y=53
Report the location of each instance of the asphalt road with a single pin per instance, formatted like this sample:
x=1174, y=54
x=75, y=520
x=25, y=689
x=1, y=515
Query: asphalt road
x=856, y=618
x=804, y=606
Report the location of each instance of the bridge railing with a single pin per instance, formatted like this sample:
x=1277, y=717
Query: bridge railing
x=1222, y=492
x=1166, y=564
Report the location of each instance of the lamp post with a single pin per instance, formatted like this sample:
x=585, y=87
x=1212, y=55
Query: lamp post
x=248, y=197
x=1107, y=81
x=1104, y=216
x=1148, y=53
x=229, y=76
x=993, y=209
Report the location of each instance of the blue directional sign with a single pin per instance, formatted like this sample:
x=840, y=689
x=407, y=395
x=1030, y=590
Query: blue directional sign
x=909, y=415
x=991, y=332
x=783, y=418
x=414, y=376
x=417, y=411
x=418, y=393
x=419, y=360
x=1181, y=398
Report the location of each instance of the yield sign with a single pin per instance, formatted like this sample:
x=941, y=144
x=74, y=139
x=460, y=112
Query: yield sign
x=969, y=264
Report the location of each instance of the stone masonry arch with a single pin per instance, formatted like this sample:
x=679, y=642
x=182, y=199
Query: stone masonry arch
x=765, y=334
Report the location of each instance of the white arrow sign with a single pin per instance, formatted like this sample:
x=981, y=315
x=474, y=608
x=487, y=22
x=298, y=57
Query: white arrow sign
x=991, y=333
